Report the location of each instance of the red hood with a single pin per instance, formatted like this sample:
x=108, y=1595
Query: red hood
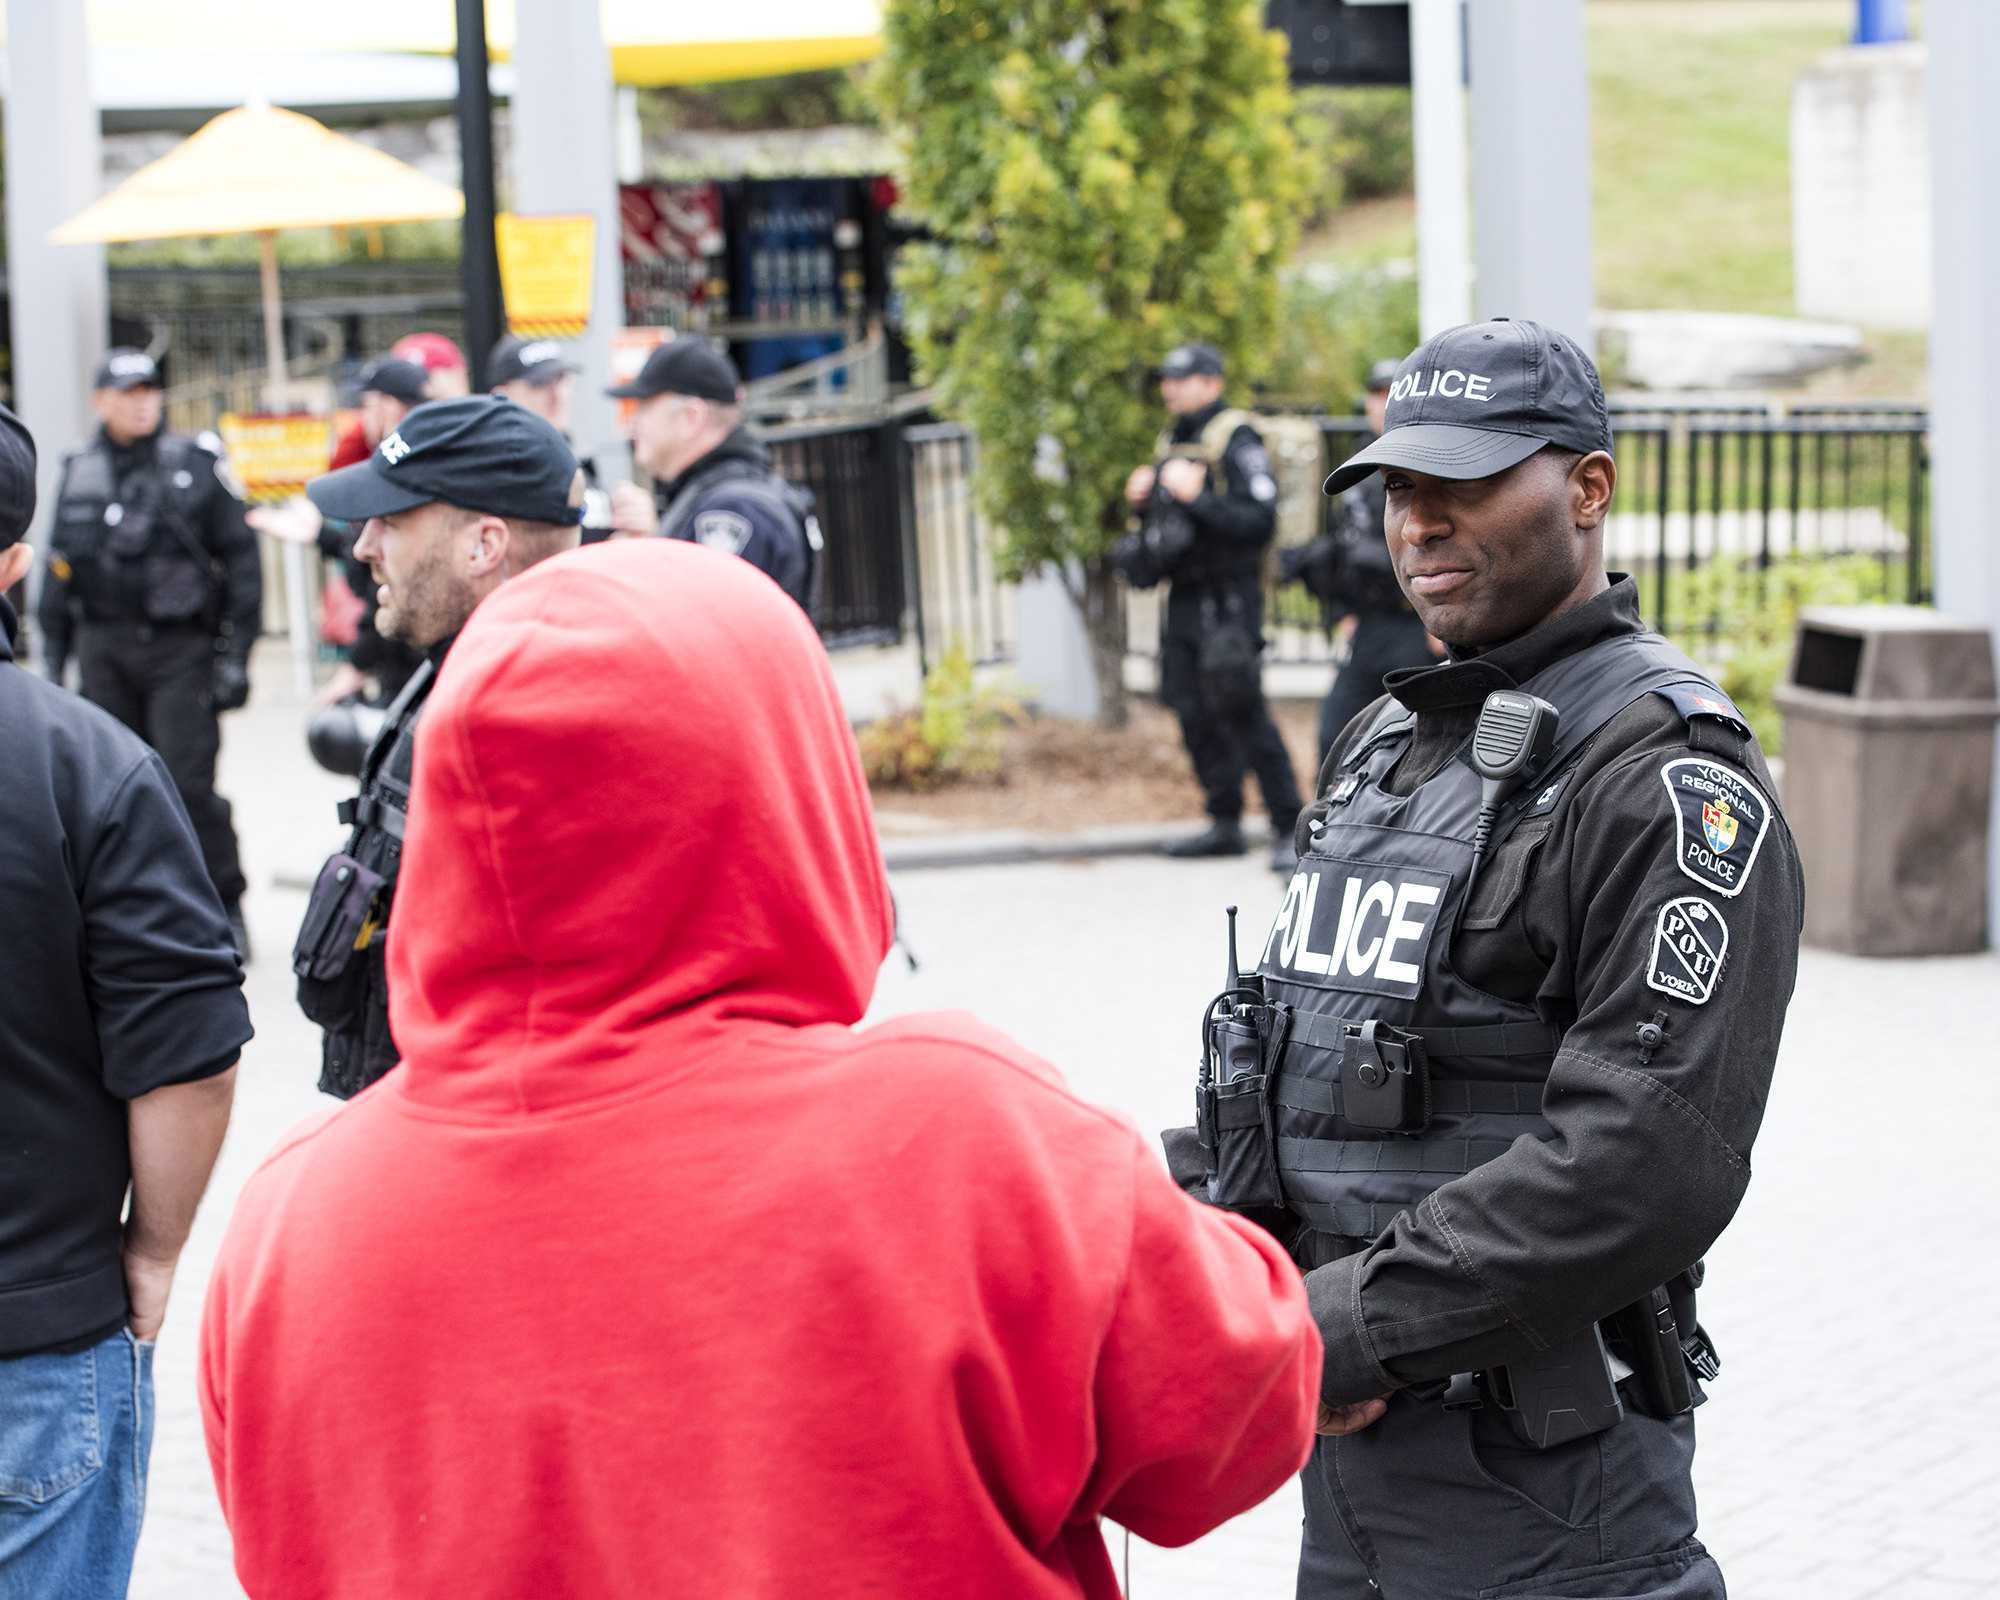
x=637, y=812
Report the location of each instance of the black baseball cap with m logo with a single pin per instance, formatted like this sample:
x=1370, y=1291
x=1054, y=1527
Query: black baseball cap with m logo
x=1477, y=399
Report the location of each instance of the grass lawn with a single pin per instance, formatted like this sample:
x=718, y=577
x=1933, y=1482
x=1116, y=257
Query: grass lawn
x=1691, y=133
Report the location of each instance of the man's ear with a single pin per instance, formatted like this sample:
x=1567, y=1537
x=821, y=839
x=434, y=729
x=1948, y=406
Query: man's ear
x=1592, y=482
x=490, y=540
x=14, y=563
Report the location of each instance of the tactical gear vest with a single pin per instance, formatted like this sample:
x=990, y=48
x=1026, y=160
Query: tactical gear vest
x=131, y=547
x=1382, y=1072
x=339, y=957
x=786, y=503
x=1210, y=448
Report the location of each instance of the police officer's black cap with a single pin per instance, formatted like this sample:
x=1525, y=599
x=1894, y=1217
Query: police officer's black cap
x=126, y=368
x=1186, y=360
x=481, y=453
x=536, y=361
x=398, y=379
x=17, y=478
x=1383, y=375
x=1477, y=399
x=687, y=365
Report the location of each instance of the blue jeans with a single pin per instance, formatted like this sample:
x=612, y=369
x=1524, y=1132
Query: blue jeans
x=75, y=1434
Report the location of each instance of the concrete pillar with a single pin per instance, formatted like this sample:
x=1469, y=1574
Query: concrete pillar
x=1531, y=163
x=564, y=160
x=54, y=170
x=1444, y=205
x=1963, y=38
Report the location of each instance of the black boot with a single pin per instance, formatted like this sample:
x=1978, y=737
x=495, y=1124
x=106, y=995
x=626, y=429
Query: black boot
x=1223, y=838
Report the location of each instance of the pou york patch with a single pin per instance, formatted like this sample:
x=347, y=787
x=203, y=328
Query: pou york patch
x=1719, y=823
x=1688, y=946
x=1356, y=925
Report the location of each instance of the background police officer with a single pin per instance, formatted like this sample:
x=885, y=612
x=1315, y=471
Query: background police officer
x=713, y=481
x=463, y=495
x=1210, y=467
x=534, y=373
x=1527, y=1030
x=154, y=580
x=1349, y=570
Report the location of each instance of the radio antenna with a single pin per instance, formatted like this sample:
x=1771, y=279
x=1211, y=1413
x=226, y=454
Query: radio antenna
x=1235, y=977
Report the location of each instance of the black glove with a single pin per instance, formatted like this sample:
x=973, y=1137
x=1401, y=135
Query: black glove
x=230, y=686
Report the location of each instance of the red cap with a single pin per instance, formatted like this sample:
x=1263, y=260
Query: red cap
x=431, y=351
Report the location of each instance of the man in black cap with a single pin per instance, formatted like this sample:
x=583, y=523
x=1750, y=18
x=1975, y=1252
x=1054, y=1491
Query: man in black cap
x=532, y=373
x=713, y=481
x=154, y=579
x=1348, y=570
x=119, y=1031
x=464, y=495
x=1210, y=500
x=1523, y=1001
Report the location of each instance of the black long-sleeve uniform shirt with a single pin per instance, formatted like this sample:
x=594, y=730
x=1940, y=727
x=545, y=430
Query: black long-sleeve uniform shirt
x=1651, y=1156
x=1233, y=523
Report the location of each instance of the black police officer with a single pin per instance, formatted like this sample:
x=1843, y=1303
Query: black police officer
x=1211, y=468
x=713, y=480
x=1349, y=571
x=153, y=580
x=1498, y=1073
x=463, y=495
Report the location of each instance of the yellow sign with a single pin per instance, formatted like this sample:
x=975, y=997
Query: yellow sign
x=545, y=273
x=273, y=455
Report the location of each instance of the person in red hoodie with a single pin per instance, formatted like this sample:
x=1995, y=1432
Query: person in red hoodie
x=648, y=1273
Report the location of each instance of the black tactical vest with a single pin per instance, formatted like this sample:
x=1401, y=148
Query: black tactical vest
x=1378, y=1073
x=785, y=503
x=339, y=957
x=133, y=545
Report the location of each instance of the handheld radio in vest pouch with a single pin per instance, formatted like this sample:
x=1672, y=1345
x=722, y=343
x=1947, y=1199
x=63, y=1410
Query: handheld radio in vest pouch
x=1515, y=735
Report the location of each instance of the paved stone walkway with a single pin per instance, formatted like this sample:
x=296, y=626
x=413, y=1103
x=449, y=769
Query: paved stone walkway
x=1852, y=1445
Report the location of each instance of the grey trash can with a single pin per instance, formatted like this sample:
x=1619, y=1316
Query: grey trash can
x=1889, y=715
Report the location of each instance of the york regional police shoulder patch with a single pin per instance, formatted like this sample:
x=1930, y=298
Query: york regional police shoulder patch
x=1719, y=823
x=1689, y=945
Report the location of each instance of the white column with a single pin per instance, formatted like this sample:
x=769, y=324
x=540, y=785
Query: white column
x=1531, y=163
x=1444, y=220
x=564, y=160
x=1963, y=40
x=54, y=170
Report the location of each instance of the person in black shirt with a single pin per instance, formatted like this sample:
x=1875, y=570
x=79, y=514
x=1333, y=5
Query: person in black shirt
x=1213, y=492
x=713, y=482
x=119, y=1035
x=155, y=580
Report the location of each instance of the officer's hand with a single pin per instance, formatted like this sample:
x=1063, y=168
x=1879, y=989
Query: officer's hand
x=296, y=520
x=633, y=513
x=1139, y=487
x=230, y=685
x=1183, y=479
x=1337, y=1420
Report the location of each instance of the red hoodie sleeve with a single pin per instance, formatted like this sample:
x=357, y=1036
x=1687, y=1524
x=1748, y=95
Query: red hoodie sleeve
x=1208, y=1385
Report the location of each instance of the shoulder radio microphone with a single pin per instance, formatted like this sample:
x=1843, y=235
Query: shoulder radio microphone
x=1515, y=737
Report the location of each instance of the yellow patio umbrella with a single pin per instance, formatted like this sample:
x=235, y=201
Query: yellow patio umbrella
x=257, y=170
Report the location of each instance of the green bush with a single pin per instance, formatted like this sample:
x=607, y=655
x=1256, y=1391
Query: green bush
x=1748, y=618
x=1334, y=323
x=955, y=733
x=1363, y=140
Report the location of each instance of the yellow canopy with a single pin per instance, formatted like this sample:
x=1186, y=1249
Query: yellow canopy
x=258, y=169
x=651, y=41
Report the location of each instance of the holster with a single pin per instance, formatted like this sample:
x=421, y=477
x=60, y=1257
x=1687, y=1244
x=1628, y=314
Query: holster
x=1233, y=1105
x=341, y=918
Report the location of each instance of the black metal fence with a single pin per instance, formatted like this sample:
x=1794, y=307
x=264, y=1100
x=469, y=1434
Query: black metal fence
x=860, y=478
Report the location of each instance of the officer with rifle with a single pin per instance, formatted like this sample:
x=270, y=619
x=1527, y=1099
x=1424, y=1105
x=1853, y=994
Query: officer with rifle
x=460, y=497
x=154, y=583
x=1348, y=570
x=1204, y=511
x=1496, y=1075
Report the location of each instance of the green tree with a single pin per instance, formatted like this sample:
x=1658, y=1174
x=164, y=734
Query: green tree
x=1102, y=180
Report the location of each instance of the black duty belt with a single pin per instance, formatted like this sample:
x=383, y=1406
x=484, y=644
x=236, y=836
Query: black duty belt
x=1388, y=1155
x=1299, y=1093
x=1352, y=1221
x=370, y=812
x=1493, y=1039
